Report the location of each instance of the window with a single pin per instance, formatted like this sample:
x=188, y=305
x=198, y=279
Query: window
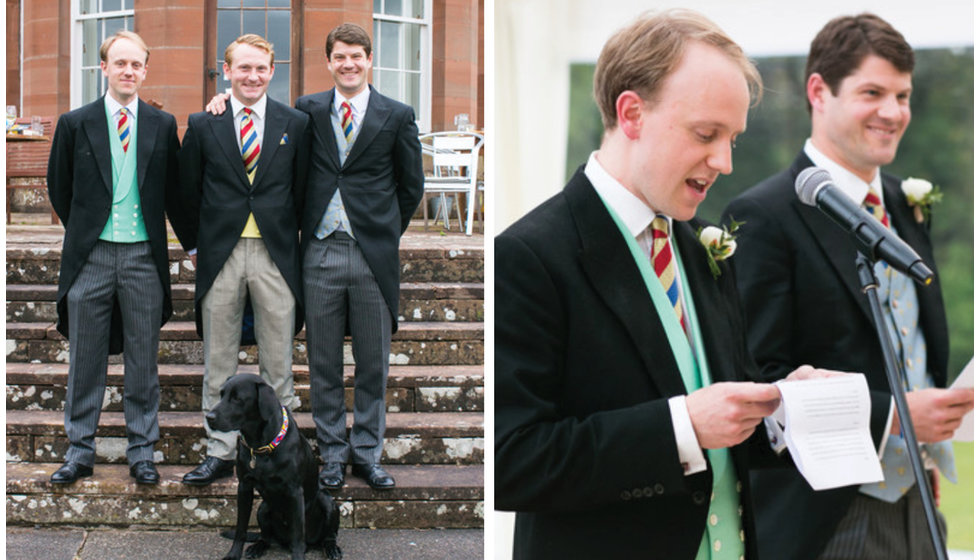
x=402, y=54
x=94, y=20
x=270, y=19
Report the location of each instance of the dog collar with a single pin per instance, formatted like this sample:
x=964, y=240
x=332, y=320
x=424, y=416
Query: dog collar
x=278, y=439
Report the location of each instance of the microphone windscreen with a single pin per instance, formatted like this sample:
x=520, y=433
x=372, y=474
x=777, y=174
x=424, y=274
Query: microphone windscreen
x=809, y=182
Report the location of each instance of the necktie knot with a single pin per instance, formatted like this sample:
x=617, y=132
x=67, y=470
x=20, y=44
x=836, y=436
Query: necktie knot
x=872, y=203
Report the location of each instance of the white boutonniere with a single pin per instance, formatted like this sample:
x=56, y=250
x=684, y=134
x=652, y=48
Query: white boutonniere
x=921, y=195
x=719, y=244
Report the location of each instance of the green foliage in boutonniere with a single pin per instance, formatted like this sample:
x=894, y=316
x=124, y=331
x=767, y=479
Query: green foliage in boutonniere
x=719, y=244
x=921, y=195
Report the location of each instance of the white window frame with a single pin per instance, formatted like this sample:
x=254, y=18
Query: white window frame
x=424, y=117
x=77, y=18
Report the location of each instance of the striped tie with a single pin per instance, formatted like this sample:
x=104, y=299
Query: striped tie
x=122, y=127
x=873, y=205
x=250, y=144
x=663, y=265
x=347, y=121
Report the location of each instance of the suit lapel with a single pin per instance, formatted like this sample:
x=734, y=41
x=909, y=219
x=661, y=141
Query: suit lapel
x=275, y=125
x=223, y=129
x=146, y=127
x=709, y=302
x=611, y=269
x=375, y=116
x=97, y=130
x=320, y=113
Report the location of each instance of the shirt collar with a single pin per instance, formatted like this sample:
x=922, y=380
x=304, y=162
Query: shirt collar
x=634, y=213
x=114, y=106
x=258, y=108
x=853, y=186
x=358, y=103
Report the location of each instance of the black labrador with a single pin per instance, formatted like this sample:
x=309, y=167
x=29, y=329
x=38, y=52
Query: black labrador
x=275, y=459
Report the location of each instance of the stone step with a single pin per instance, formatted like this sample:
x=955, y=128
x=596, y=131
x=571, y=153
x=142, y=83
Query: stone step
x=410, y=437
x=426, y=496
x=410, y=388
x=423, y=257
x=418, y=343
x=420, y=301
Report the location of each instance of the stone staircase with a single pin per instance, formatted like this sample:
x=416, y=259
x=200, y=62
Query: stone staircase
x=434, y=442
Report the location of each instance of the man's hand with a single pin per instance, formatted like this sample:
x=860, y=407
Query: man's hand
x=726, y=414
x=803, y=373
x=217, y=104
x=936, y=413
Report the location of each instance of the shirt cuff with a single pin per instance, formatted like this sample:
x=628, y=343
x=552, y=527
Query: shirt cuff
x=192, y=252
x=688, y=448
x=888, y=429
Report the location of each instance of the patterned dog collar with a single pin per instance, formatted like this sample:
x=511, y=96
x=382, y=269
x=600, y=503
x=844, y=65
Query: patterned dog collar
x=278, y=439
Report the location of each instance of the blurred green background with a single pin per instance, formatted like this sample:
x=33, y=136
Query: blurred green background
x=938, y=146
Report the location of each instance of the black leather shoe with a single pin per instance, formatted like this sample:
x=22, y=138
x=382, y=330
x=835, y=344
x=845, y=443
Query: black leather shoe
x=332, y=476
x=145, y=472
x=374, y=475
x=210, y=470
x=70, y=472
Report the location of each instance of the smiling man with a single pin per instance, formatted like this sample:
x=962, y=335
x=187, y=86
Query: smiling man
x=797, y=275
x=245, y=171
x=111, y=174
x=624, y=421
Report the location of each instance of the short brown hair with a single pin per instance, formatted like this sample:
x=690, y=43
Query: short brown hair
x=641, y=56
x=122, y=34
x=349, y=33
x=254, y=40
x=843, y=44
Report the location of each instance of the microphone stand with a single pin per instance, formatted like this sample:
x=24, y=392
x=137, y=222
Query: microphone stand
x=869, y=283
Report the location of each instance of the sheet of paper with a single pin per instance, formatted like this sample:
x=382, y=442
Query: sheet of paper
x=827, y=430
x=965, y=380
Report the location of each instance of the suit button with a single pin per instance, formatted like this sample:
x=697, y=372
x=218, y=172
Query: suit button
x=625, y=495
x=648, y=492
x=698, y=497
x=340, y=175
x=637, y=493
x=658, y=489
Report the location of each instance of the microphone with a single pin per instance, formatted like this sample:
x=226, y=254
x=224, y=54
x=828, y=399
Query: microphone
x=814, y=187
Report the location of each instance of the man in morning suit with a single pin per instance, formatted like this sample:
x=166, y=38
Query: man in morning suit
x=111, y=173
x=246, y=170
x=799, y=284
x=365, y=183
x=623, y=418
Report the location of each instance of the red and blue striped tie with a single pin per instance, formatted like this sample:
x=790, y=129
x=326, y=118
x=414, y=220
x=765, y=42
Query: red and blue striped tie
x=663, y=265
x=347, y=121
x=250, y=144
x=122, y=127
x=873, y=205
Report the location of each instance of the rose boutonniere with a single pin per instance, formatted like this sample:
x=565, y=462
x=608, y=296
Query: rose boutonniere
x=921, y=195
x=719, y=244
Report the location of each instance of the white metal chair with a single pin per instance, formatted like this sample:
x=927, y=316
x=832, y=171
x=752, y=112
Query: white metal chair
x=455, y=160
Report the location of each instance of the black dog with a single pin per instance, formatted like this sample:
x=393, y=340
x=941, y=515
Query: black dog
x=275, y=459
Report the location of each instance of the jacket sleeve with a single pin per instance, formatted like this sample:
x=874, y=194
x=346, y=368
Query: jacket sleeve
x=61, y=168
x=409, y=178
x=190, y=163
x=179, y=209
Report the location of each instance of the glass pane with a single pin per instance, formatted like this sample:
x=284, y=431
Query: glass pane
x=278, y=3
x=128, y=5
x=90, y=85
x=129, y=22
x=377, y=6
x=418, y=9
x=411, y=47
x=112, y=25
x=111, y=5
x=229, y=28
x=279, y=33
x=387, y=83
x=279, y=87
x=90, y=43
x=393, y=7
x=88, y=7
x=412, y=91
x=253, y=22
x=253, y=3
x=229, y=3
x=387, y=45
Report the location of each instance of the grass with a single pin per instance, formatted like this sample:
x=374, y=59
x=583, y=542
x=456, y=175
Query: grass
x=956, y=500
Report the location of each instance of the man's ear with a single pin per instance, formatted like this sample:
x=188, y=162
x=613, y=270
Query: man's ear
x=629, y=113
x=268, y=402
x=817, y=91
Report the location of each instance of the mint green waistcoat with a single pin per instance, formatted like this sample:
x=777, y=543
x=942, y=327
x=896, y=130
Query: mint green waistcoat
x=723, y=538
x=125, y=223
